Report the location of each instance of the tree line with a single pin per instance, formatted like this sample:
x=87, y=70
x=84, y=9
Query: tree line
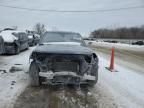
x=119, y=33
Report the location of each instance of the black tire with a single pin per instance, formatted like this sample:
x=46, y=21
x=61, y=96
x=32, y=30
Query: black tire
x=33, y=43
x=34, y=75
x=17, y=50
x=27, y=47
x=92, y=83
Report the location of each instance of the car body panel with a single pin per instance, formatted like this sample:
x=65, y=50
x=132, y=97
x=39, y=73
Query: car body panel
x=33, y=39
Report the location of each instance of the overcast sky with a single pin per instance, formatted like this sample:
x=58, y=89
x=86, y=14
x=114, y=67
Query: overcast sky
x=78, y=22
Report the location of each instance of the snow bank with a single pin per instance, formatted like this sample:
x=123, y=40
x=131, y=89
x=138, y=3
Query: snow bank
x=8, y=37
x=126, y=85
x=119, y=46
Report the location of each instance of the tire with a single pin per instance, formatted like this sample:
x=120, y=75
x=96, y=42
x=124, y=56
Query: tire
x=27, y=47
x=17, y=50
x=33, y=43
x=92, y=83
x=34, y=75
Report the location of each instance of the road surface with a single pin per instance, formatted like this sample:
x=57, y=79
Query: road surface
x=129, y=59
x=122, y=89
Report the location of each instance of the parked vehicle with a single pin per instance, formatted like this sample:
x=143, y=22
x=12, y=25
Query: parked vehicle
x=138, y=43
x=63, y=58
x=1, y=45
x=33, y=39
x=14, y=41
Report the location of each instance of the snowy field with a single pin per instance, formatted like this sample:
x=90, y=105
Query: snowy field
x=122, y=89
x=122, y=46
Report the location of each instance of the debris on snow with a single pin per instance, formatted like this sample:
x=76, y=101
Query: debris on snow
x=14, y=69
x=13, y=82
x=3, y=71
x=17, y=64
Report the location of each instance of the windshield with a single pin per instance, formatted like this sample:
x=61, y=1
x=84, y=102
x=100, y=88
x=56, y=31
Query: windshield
x=61, y=37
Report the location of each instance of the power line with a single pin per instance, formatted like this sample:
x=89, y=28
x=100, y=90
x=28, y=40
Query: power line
x=73, y=11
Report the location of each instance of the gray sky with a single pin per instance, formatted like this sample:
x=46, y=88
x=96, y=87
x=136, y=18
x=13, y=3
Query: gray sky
x=79, y=22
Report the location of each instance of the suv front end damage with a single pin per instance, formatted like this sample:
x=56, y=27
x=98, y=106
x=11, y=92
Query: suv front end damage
x=66, y=69
x=63, y=58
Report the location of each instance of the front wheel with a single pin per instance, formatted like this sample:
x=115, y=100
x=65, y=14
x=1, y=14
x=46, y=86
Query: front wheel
x=92, y=83
x=27, y=46
x=34, y=75
x=94, y=73
x=17, y=50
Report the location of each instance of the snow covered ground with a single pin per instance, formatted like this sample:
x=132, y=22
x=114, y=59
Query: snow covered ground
x=119, y=46
x=122, y=89
x=13, y=82
x=11, y=85
x=126, y=85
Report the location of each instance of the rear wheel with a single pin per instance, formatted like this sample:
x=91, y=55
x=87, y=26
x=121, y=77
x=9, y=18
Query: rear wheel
x=34, y=75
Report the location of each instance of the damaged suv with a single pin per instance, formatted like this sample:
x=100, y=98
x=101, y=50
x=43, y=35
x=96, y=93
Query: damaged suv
x=63, y=58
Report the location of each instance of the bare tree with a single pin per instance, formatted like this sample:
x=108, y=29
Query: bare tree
x=39, y=28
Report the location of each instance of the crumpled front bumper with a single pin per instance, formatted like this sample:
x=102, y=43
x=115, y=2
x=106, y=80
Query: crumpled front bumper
x=65, y=78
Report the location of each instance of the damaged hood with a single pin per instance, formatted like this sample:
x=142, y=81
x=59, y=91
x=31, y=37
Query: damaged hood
x=63, y=49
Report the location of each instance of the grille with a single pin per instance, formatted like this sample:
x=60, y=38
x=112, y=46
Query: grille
x=65, y=66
